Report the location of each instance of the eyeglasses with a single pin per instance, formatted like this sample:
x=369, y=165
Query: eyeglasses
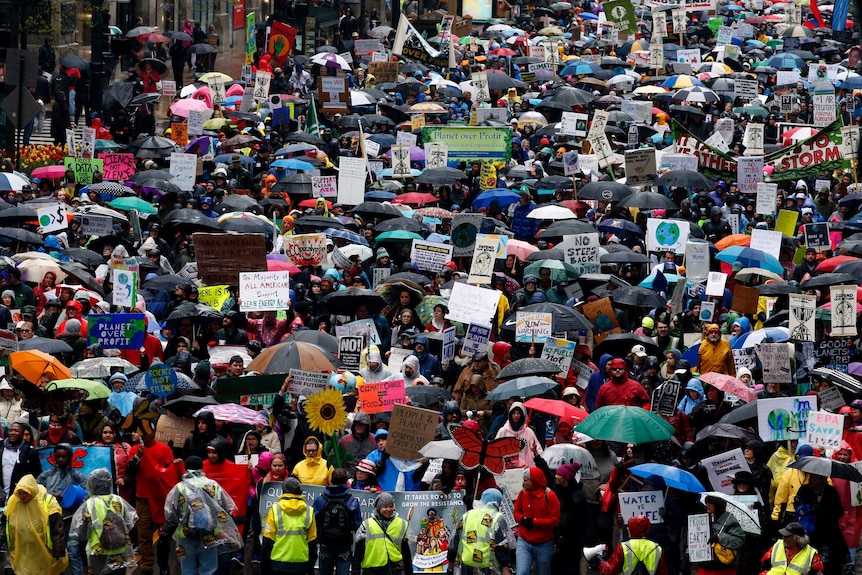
x=618, y=369
x=22, y=330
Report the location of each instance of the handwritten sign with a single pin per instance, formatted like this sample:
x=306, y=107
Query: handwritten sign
x=125, y=289
x=582, y=252
x=324, y=186
x=183, y=170
x=119, y=167
x=471, y=304
x=430, y=256
x=381, y=396
x=532, y=327
x=699, y=549
x=641, y=503
x=213, y=296
x=264, y=291
x=824, y=429
x=559, y=352
x=83, y=168
x=784, y=418
x=775, y=358
x=307, y=382
x=410, y=429
x=305, y=249
x=161, y=380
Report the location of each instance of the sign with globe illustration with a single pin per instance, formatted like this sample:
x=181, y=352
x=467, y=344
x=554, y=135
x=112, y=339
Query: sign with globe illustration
x=666, y=235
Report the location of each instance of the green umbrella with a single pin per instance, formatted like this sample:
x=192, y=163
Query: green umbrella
x=102, y=145
x=752, y=111
x=625, y=424
x=560, y=271
x=218, y=124
x=91, y=389
x=129, y=203
x=398, y=235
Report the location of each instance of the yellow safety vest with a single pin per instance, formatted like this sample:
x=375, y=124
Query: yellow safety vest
x=97, y=507
x=383, y=547
x=291, y=535
x=637, y=551
x=799, y=565
x=477, y=536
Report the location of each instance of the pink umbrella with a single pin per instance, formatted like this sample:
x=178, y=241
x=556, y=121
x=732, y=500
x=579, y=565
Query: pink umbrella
x=729, y=384
x=280, y=266
x=50, y=172
x=520, y=249
x=235, y=413
x=182, y=108
x=417, y=154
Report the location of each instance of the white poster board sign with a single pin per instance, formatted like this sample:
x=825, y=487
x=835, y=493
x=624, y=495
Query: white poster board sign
x=264, y=291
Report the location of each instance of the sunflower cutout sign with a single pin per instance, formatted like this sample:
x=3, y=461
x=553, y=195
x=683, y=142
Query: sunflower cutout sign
x=327, y=414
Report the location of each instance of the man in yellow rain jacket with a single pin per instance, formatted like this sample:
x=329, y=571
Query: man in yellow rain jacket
x=288, y=533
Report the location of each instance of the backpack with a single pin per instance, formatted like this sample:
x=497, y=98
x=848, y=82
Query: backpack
x=198, y=520
x=112, y=536
x=334, y=525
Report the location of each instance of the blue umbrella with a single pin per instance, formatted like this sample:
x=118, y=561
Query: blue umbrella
x=588, y=16
x=228, y=158
x=785, y=61
x=380, y=195
x=383, y=140
x=352, y=237
x=757, y=43
x=671, y=476
x=648, y=282
x=752, y=338
x=580, y=69
x=750, y=258
x=854, y=83
x=617, y=225
x=504, y=197
x=293, y=164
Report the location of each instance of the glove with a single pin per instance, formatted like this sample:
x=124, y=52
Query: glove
x=527, y=522
x=713, y=538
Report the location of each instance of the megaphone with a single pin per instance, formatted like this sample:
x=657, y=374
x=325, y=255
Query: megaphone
x=591, y=552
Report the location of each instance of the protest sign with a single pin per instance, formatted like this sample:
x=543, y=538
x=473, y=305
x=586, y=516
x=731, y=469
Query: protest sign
x=84, y=168
x=465, y=228
x=715, y=284
x=570, y=163
x=174, y=428
x=601, y=314
x=824, y=429
x=183, y=170
x=667, y=235
x=746, y=358
x=476, y=339
x=84, y=458
x=430, y=256
x=767, y=241
x=784, y=418
x=196, y=123
x=350, y=351
x=721, y=468
x=117, y=330
x=648, y=503
x=484, y=255
x=119, y=167
x=379, y=276
x=640, y=166
x=707, y=311
x=817, y=236
x=582, y=252
x=307, y=382
x=699, y=547
x=583, y=371
x=222, y=257
x=363, y=327
x=180, y=133
x=833, y=352
x=471, y=304
x=786, y=222
x=161, y=380
x=753, y=138
x=825, y=110
x=396, y=358
x=775, y=359
x=766, y=196
x=52, y=217
x=666, y=397
x=264, y=291
x=532, y=327
x=749, y=172
x=448, y=350
x=306, y=249
x=323, y=187
x=745, y=299
x=437, y=155
x=559, y=352
x=96, y=225
x=410, y=429
x=88, y=143
x=697, y=260
x=351, y=180
x=213, y=296
x=125, y=288
x=843, y=310
x=802, y=310
x=831, y=399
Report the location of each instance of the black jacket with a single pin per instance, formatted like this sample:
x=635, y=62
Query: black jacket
x=28, y=463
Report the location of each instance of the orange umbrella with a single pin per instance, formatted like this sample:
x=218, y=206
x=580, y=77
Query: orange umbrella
x=32, y=363
x=734, y=240
x=829, y=265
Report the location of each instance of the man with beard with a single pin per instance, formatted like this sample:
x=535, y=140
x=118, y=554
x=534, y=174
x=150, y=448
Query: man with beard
x=714, y=354
x=663, y=338
x=620, y=389
x=479, y=365
x=359, y=443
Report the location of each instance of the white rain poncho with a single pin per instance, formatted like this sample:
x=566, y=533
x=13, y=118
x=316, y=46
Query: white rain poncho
x=197, y=489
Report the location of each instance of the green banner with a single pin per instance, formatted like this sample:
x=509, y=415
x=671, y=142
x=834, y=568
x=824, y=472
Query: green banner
x=250, y=41
x=493, y=144
x=622, y=13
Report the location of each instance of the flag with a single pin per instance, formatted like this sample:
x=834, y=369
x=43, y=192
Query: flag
x=282, y=39
x=311, y=124
x=401, y=35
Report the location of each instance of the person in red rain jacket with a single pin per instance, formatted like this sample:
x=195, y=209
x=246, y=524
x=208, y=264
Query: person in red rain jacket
x=620, y=389
x=537, y=511
x=645, y=552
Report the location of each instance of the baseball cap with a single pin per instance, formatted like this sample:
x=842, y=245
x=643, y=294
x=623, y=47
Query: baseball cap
x=792, y=529
x=639, y=351
x=682, y=366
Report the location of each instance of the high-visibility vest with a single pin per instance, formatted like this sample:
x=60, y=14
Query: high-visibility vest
x=477, y=534
x=799, y=565
x=637, y=551
x=98, y=507
x=291, y=535
x=382, y=548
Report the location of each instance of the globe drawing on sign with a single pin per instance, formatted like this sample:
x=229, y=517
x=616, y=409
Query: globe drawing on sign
x=464, y=235
x=667, y=233
x=603, y=322
x=122, y=279
x=45, y=221
x=778, y=421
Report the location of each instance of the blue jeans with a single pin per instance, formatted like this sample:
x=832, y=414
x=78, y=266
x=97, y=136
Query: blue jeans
x=541, y=553
x=332, y=563
x=196, y=559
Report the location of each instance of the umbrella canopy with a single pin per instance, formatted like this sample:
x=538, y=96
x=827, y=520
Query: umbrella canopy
x=315, y=337
x=617, y=341
x=671, y=476
x=283, y=357
x=100, y=367
x=234, y=413
x=684, y=179
x=752, y=338
x=567, y=412
x=605, y=191
x=649, y=201
x=626, y=424
x=726, y=431
x=552, y=212
x=526, y=386
x=446, y=449
x=562, y=453
x=31, y=364
x=182, y=405
x=826, y=280
x=528, y=366
x=729, y=384
x=842, y=380
x=427, y=395
x=750, y=258
x=827, y=468
x=746, y=517
x=563, y=318
x=638, y=296
x=89, y=389
x=560, y=271
x=345, y=302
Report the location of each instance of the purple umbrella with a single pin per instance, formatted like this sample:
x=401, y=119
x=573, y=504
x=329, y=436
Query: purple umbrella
x=200, y=146
x=417, y=154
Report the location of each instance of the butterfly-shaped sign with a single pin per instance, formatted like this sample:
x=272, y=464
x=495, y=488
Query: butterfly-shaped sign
x=478, y=451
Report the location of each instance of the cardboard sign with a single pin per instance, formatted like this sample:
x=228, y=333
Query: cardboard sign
x=83, y=168
x=384, y=71
x=471, y=304
x=745, y=299
x=52, y=217
x=831, y=399
x=222, y=257
x=843, y=310
x=264, y=291
x=170, y=427
x=824, y=429
x=350, y=351
x=180, y=133
x=784, y=418
x=117, y=330
x=640, y=503
x=775, y=359
x=532, y=327
x=721, y=469
x=560, y=352
x=117, y=167
x=410, y=429
x=601, y=314
x=476, y=339
x=324, y=186
x=306, y=249
x=307, y=382
x=699, y=548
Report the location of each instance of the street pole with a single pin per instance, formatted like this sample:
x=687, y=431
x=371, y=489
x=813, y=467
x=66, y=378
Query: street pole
x=97, y=56
x=19, y=129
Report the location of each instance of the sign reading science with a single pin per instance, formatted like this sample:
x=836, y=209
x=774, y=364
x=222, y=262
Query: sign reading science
x=469, y=143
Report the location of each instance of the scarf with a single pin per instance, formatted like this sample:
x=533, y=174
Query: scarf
x=56, y=433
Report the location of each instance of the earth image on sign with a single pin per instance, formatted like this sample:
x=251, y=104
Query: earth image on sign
x=123, y=279
x=45, y=221
x=667, y=233
x=464, y=235
x=603, y=322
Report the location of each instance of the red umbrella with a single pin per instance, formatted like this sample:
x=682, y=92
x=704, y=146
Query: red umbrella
x=417, y=198
x=729, y=384
x=567, y=412
x=503, y=52
x=311, y=202
x=829, y=265
x=575, y=205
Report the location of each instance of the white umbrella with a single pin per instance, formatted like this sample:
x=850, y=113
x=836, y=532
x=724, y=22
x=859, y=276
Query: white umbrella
x=440, y=81
x=364, y=252
x=324, y=58
x=358, y=98
x=552, y=213
x=622, y=80
x=746, y=516
x=35, y=269
x=696, y=94
x=23, y=256
x=446, y=449
x=92, y=209
x=498, y=28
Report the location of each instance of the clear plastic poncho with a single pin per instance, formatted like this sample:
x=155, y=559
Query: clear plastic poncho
x=27, y=528
x=195, y=485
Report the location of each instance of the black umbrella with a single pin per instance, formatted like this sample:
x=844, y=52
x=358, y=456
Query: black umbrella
x=377, y=210
x=563, y=318
x=566, y=228
x=826, y=280
x=178, y=36
x=605, y=191
x=319, y=338
x=427, y=395
x=649, y=201
x=440, y=176
x=317, y=223
x=87, y=257
x=687, y=110
x=194, y=311
x=551, y=254
x=74, y=61
x=740, y=414
x=619, y=343
x=352, y=122
x=726, y=431
x=155, y=63
x=145, y=98
x=346, y=301
x=827, y=468
x=401, y=223
x=45, y=344
x=162, y=185
x=638, y=296
x=150, y=175
x=18, y=213
x=83, y=275
x=555, y=183
x=571, y=97
x=307, y=138
x=416, y=278
x=189, y=403
x=168, y=282
x=118, y=95
x=297, y=184
x=684, y=179
x=247, y=225
x=238, y=203
x=528, y=366
x=188, y=220
x=21, y=236
x=623, y=257
x=844, y=381
x=202, y=49
x=854, y=268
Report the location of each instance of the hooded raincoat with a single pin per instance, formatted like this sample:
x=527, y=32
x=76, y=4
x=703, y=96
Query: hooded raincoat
x=34, y=531
x=525, y=432
x=313, y=470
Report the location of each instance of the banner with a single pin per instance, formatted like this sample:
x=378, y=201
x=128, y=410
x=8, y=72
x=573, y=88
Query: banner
x=117, y=330
x=472, y=143
x=264, y=291
x=432, y=515
x=306, y=249
x=282, y=39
